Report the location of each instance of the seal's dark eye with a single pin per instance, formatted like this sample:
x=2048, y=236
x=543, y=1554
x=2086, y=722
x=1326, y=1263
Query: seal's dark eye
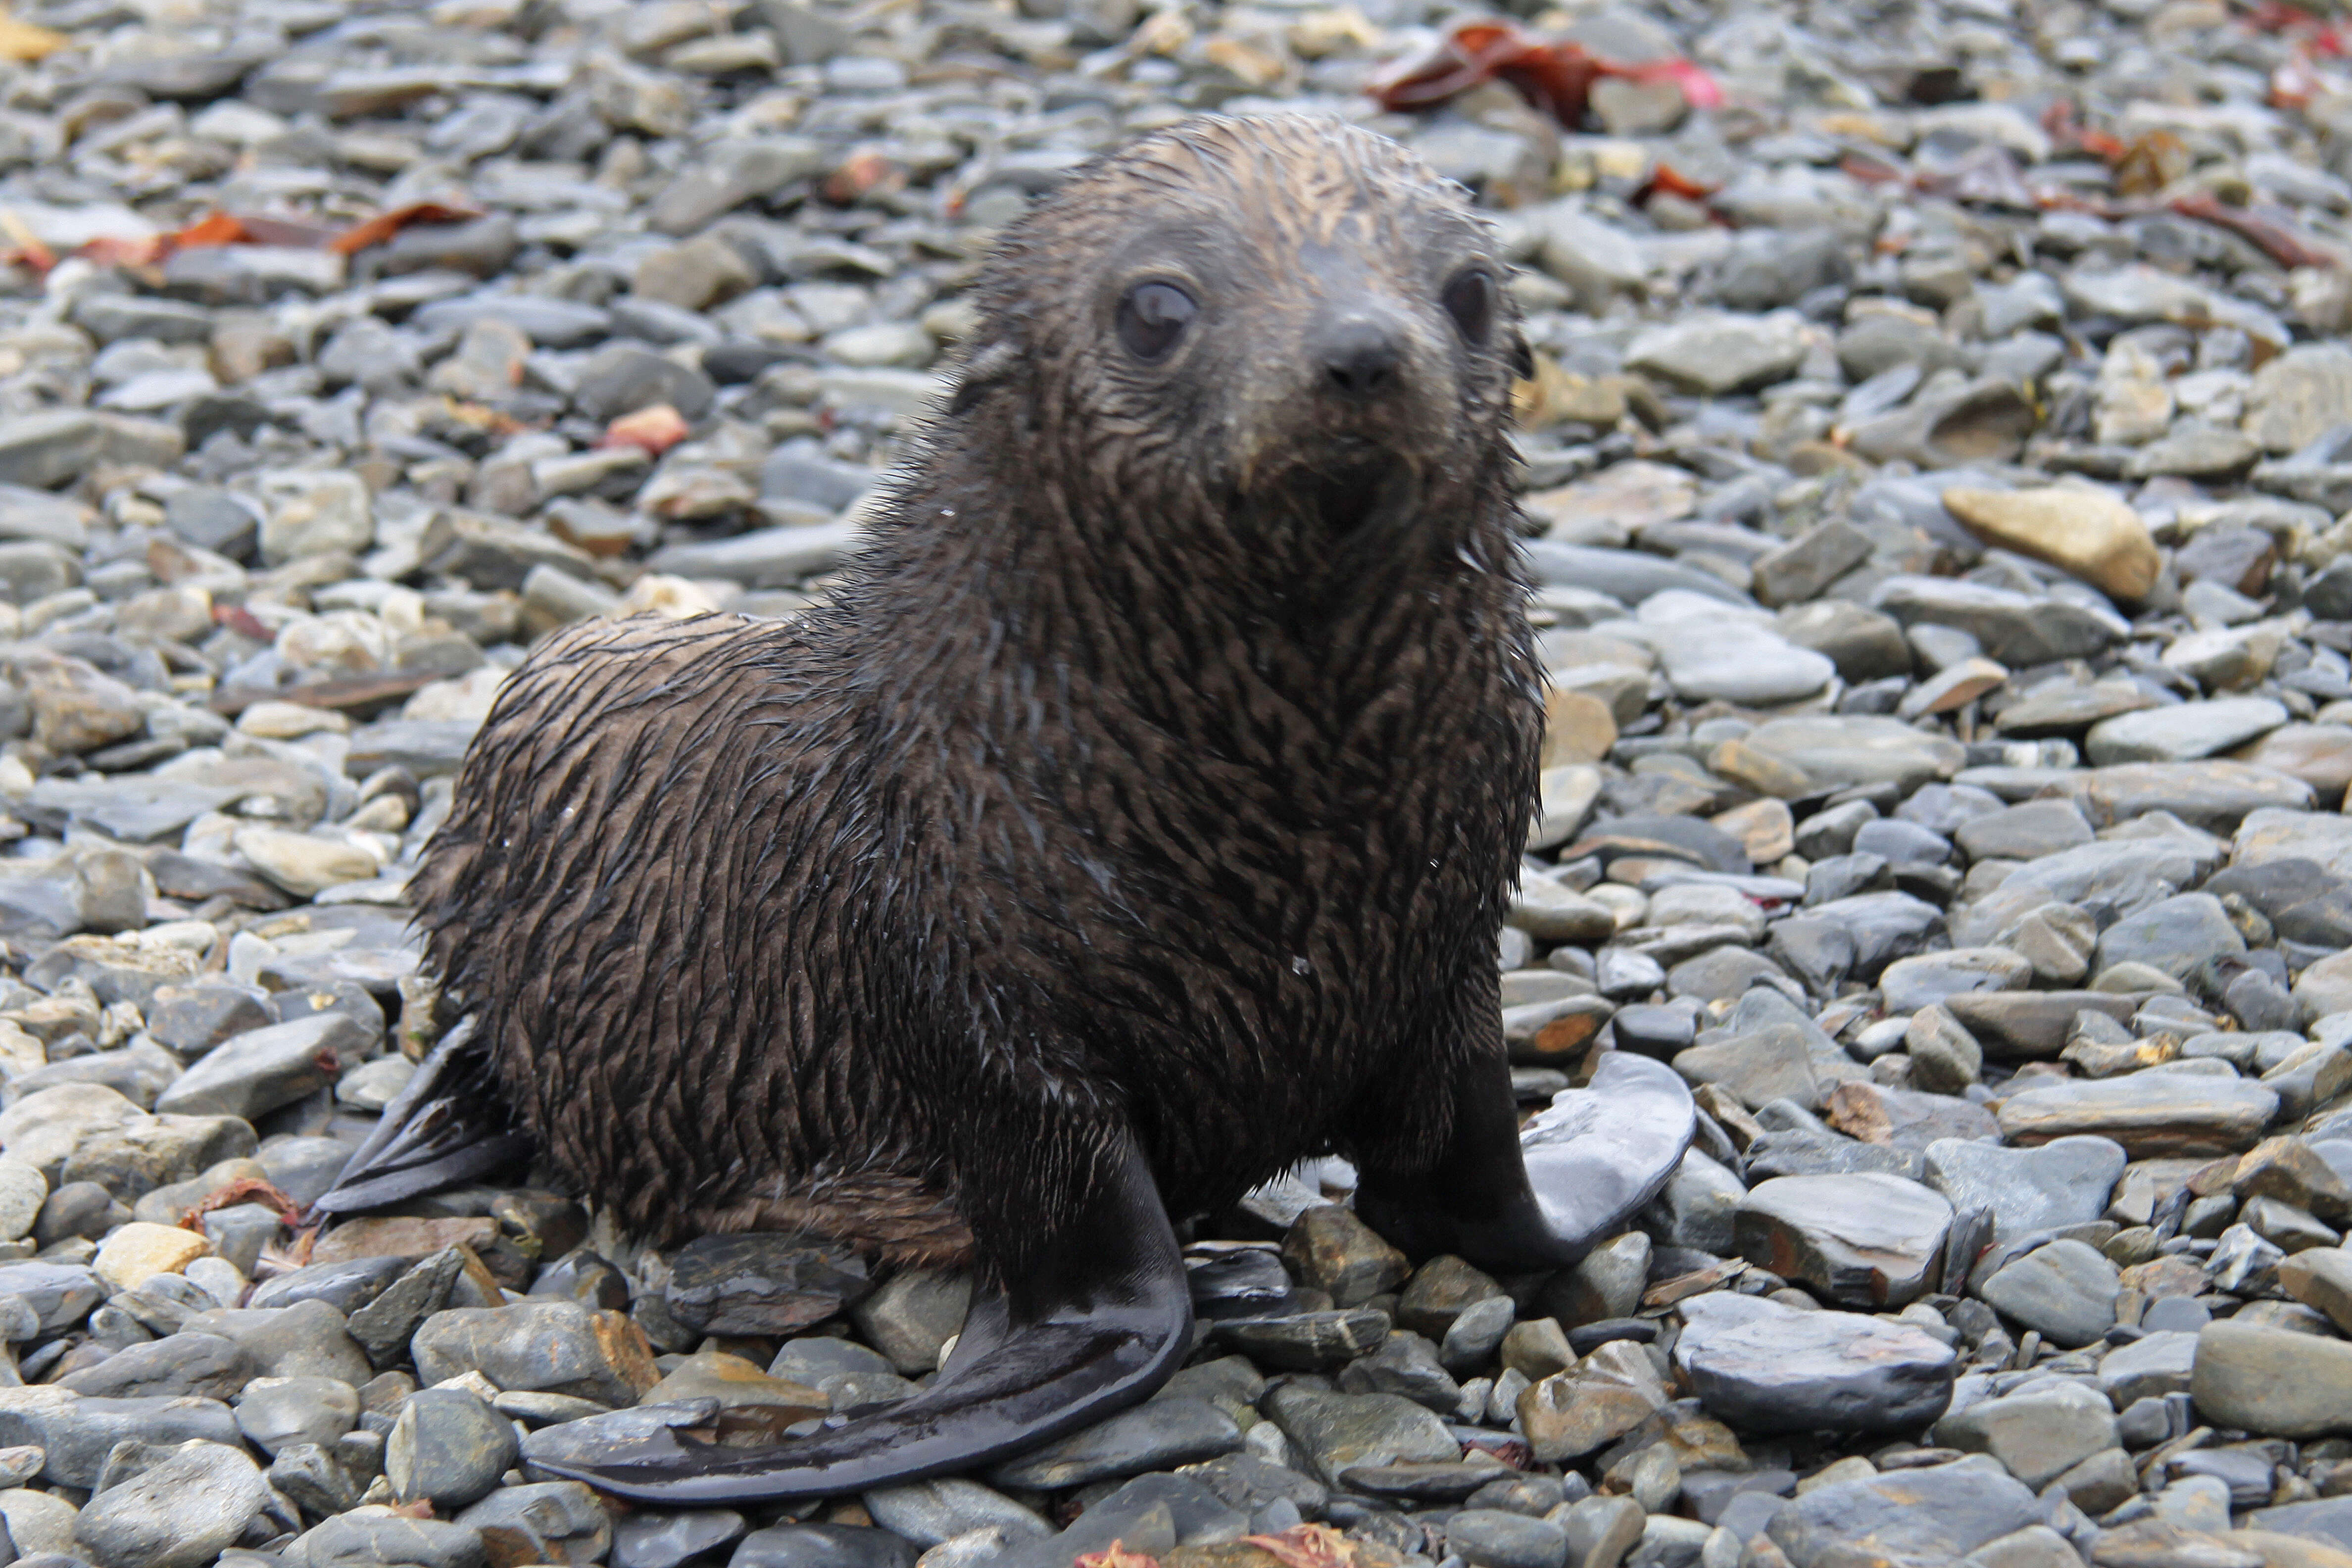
x=1152, y=317
x=1470, y=301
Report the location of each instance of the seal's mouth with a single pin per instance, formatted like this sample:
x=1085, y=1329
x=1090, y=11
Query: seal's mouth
x=1361, y=494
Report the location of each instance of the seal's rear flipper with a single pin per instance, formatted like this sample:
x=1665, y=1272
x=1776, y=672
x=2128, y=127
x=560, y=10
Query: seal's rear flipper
x=1035, y=1360
x=448, y=1125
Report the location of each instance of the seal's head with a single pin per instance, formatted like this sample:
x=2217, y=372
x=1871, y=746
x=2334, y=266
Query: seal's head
x=1290, y=320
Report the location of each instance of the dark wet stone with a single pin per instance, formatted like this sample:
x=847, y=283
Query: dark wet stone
x=1337, y=1432
x=194, y=1017
x=823, y=1546
x=1306, y=1341
x=307, y=1339
x=624, y=378
x=1439, y=1482
x=1404, y=1363
x=2016, y=629
x=448, y=1447
x=203, y=1366
x=1245, y=1482
x=1490, y=1538
x=77, y=1433
x=346, y=1285
x=647, y=1539
x=928, y=1512
x=384, y=1324
x=597, y=1439
x=1763, y=1366
x=2304, y=900
x=1803, y=1153
x=1157, y=1436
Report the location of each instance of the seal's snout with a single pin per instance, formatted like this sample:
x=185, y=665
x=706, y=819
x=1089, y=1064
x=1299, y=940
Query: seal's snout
x=1362, y=353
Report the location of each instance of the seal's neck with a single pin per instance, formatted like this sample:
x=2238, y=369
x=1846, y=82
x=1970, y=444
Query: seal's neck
x=1234, y=634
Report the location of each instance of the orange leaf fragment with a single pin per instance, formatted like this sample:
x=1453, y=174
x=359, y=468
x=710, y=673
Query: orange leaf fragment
x=383, y=225
x=1115, y=1555
x=654, y=429
x=245, y=1189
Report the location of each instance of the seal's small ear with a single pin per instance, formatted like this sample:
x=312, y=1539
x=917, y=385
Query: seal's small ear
x=990, y=362
x=1523, y=358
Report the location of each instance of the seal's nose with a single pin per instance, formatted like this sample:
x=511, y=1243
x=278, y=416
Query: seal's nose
x=1360, y=354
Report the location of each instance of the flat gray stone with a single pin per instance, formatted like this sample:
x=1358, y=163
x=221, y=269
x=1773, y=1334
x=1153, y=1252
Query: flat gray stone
x=2066, y=1289
x=2065, y=1181
x=1761, y=1367
x=2183, y=733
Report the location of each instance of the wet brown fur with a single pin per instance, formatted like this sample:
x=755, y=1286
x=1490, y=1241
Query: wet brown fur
x=1122, y=785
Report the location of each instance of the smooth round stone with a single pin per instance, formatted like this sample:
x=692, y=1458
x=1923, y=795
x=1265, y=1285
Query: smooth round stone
x=1655, y=1031
x=2158, y=1362
x=2273, y=1381
x=646, y=1539
x=39, y=1523
x=2039, y=1433
x=1765, y=1367
x=346, y=1285
x=1739, y=663
x=277, y=1413
x=180, y=1509
x=1911, y=984
x=823, y=1546
x=2066, y=1289
x=928, y=1512
x=1597, y=1155
x=177, y=1366
x=1491, y=1538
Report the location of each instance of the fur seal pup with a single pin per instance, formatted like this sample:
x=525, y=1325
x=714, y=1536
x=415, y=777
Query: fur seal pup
x=1135, y=821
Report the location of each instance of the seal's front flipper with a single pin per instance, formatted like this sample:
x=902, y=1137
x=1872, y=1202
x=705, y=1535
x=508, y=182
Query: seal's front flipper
x=1542, y=1197
x=1097, y=1329
x=448, y=1125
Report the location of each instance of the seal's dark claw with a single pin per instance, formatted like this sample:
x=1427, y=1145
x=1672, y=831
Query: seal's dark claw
x=449, y=1125
x=1029, y=1366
